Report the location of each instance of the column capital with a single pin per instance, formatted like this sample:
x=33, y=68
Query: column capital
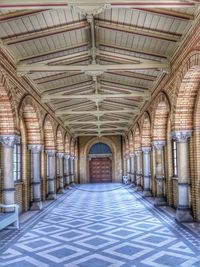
x=146, y=149
x=138, y=152
x=35, y=148
x=181, y=136
x=158, y=144
x=60, y=155
x=66, y=156
x=50, y=153
x=72, y=157
x=132, y=155
x=9, y=140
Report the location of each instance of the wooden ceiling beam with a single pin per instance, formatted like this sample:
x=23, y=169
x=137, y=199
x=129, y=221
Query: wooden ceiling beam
x=18, y=14
x=169, y=13
x=96, y=122
x=167, y=36
x=28, y=36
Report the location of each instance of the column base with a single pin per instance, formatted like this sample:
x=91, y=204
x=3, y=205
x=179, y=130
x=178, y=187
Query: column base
x=61, y=191
x=66, y=186
x=184, y=215
x=146, y=193
x=138, y=188
x=37, y=205
x=160, y=201
x=51, y=196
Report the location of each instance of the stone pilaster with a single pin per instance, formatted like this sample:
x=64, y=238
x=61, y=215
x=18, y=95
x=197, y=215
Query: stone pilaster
x=183, y=212
x=146, y=168
x=60, y=157
x=132, y=159
x=8, y=142
x=72, y=168
x=36, y=171
x=66, y=170
x=138, y=154
x=128, y=166
x=160, y=173
x=51, y=174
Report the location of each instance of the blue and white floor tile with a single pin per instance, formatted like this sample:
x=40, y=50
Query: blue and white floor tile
x=100, y=225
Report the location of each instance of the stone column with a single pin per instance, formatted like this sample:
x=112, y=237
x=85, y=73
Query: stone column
x=160, y=173
x=72, y=169
x=132, y=159
x=36, y=169
x=60, y=173
x=138, y=170
x=127, y=165
x=8, y=142
x=66, y=170
x=183, y=212
x=146, y=171
x=51, y=174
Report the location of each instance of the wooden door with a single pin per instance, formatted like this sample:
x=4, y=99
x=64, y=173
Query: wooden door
x=100, y=170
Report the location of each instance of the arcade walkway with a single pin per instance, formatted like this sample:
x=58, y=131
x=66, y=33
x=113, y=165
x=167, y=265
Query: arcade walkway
x=100, y=225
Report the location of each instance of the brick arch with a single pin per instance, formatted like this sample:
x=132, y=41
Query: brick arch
x=59, y=140
x=146, y=130
x=130, y=139
x=161, y=115
x=30, y=114
x=188, y=84
x=137, y=138
x=67, y=143
x=8, y=112
x=49, y=135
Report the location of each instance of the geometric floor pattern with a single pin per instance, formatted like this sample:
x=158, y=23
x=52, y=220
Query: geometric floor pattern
x=101, y=225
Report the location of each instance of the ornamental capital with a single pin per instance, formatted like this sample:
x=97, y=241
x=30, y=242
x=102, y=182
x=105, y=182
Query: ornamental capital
x=66, y=156
x=72, y=157
x=146, y=149
x=138, y=152
x=35, y=148
x=159, y=144
x=50, y=153
x=9, y=140
x=132, y=155
x=181, y=136
x=59, y=155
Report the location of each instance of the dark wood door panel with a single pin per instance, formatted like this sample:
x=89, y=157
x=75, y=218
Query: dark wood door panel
x=100, y=170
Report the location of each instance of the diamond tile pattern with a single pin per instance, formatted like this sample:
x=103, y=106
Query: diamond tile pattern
x=101, y=225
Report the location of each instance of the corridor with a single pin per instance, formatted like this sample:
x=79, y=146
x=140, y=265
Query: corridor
x=100, y=225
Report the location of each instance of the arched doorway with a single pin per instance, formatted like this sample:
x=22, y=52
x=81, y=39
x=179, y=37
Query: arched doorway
x=100, y=163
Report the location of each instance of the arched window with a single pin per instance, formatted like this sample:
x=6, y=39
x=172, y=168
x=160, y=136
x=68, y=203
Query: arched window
x=100, y=148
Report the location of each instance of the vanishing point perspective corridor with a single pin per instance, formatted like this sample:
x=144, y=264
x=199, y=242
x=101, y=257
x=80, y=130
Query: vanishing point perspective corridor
x=100, y=225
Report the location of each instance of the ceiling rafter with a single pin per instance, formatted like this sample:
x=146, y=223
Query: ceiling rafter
x=167, y=36
x=132, y=50
x=97, y=122
x=123, y=84
x=135, y=75
x=51, y=78
x=19, y=14
x=169, y=13
x=39, y=57
x=45, y=32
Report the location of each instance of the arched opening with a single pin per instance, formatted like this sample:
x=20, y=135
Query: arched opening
x=100, y=163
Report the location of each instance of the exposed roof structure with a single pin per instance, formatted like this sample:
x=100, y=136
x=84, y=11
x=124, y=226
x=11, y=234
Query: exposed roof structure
x=95, y=64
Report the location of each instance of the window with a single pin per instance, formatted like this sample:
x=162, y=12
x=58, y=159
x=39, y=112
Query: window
x=17, y=162
x=174, y=158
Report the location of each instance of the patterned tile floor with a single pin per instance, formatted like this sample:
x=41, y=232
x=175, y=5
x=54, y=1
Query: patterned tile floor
x=100, y=225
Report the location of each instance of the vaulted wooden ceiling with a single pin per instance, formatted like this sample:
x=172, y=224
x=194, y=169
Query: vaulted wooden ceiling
x=97, y=63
